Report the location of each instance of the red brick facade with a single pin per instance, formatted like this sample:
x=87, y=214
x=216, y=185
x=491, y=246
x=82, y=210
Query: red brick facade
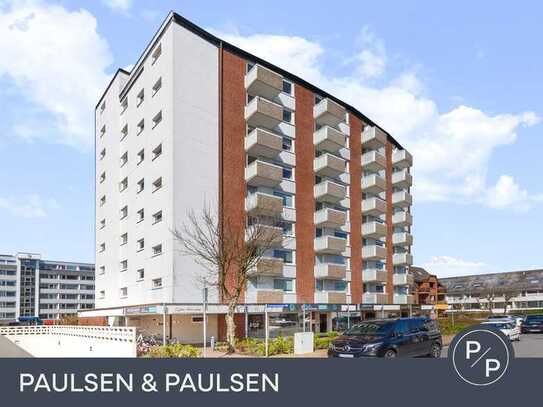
x=355, y=211
x=388, y=217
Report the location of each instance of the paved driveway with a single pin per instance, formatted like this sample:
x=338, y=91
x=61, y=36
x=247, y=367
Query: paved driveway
x=9, y=350
x=529, y=346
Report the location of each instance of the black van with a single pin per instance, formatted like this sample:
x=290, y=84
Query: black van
x=389, y=338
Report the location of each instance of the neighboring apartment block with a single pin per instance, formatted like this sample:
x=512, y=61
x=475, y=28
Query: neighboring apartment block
x=50, y=290
x=199, y=120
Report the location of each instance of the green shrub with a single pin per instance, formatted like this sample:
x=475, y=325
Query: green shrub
x=174, y=351
x=277, y=346
x=281, y=346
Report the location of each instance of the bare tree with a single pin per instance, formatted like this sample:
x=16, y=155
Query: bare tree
x=231, y=252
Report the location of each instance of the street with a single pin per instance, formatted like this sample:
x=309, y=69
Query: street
x=529, y=346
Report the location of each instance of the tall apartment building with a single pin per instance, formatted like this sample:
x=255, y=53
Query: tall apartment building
x=198, y=120
x=50, y=290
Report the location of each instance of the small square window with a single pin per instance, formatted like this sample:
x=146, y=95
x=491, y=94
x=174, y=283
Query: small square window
x=157, y=184
x=124, y=132
x=123, y=184
x=102, y=223
x=318, y=99
x=141, y=274
x=140, y=245
x=140, y=97
x=157, y=151
x=101, y=294
x=141, y=185
x=157, y=119
x=124, y=212
x=124, y=158
x=287, y=173
x=250, y=66
x=124, y=105
x=102, y=177
x=156, y=54
x=157, y=283
x=287, y=116
x=157, y=250
x=287, y=144
x=102, y=247
x=141, y=126
x=103, y=130
x=157, y=86
x=102, y=154
x=102, y=270
x=157, y=217
x=141, y=215
x=141, y=156
x=287, y=87
x=123, y=265
x=103, y=200
x=124, y=239
x=103, y=107
x=124, y=292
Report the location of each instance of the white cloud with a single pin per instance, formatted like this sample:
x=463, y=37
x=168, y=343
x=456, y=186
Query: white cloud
x=58, y=61
x=451, y=150
x=118, y=5
x=446, y=266
x=30, y=206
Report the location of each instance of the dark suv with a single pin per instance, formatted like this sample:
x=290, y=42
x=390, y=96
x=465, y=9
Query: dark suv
x=532, y=323
x=389, y=338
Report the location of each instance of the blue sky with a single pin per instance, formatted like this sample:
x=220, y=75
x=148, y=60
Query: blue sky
x=461, y=90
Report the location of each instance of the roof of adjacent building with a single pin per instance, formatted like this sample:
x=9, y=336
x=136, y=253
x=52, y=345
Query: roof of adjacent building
x=420, y=274
x=513, y=281
x=189, y=25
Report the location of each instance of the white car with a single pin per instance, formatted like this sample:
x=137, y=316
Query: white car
x=507, y=327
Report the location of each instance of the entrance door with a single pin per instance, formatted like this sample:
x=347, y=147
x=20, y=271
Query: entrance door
x=323, y=322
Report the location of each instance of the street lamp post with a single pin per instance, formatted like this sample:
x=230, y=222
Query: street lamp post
x=204, y=301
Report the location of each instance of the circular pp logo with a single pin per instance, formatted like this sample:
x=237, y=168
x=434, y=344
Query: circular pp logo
x=480, y=355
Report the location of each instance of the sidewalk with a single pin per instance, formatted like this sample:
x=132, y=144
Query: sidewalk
x=9, y=350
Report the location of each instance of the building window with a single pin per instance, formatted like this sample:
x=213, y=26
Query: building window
x=102, y=247
x=101, y=294
x=124, y=292
x=157, y=86
x=318, y=99
x=157, y=119
x=141, y=274
x=287, y=116
x=103, y=200
x=124, y=239
x=156, y=53
x=141, y=215
x=157, y=151
x=123, y=184
x=102, y=223
x=124, y=212
x=103, y=131
x=102, y=270
x=157, y=184
x=287, y=173
x=140, y=97
x=288, y=200
x=140, y=186
x=102, y=154
x=157, y=250
x=283, y=284
x=124, y=158
x=285, y=255
x=250, y=66
x=197, y=319
x=102, y=177
x=141, y=156
x=287, y=87
x=124, y=105
x=157, y=217
x=141, y=126
x=157, y=283
x=124, y=265
x=140, y=245
x=103, y=107
x=124, y=132
x=287, y=144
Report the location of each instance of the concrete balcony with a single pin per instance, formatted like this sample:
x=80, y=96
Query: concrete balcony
x=265, y=235
x=261, y=81
x=260, y=142
x=402, y=259
x=270, y=297
x=373, y=184
x=263, y=173
x=331, y=271
x=260, y=112
x=328, y=165
x=328, y=113
x=374, y=252
x=330, y=297
x=270, y=266
x=374, y=298
x=262, y=204
x=402, y=279
x=374, y=276
x=402, y=239
x=329, y=191
x=402, y=159
x=329, y=139
x=403, y=299
x=330, y=218
x=373, y=161
x=402, y=219
x=373, y=137
x=402, y=199
x=374, y=229
x=373, y=206
x=330, y=244
x=402, y=179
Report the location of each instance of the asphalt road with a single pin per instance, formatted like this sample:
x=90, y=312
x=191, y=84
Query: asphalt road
x=529, y=346
x=9, y=350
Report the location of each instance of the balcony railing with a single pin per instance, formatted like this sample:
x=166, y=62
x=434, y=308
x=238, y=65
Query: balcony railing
x=329, y=191
x=373, y=137
x=260, y=142
x=331, y=271
x=270, y=266
x=329, y=113
x=373, y=206
x=402, y=199
x=329, y=139
x=374, y=298
x=402, y=239
x=328, y=165
x=402, y=259
x=261, y=112
x=402, y=179
x=261, y=81
x=268, y=296
x=402, y=219
x=330, y=244
x=263, y=173
x=373, y=252
x=402, y=159
x=373, y=161
x=262, y=204
x=374, y=229
x=403, y=299
x=402, y=279
x=374, y=276
x=270, y=236
x=373, y=184
x=331, y=218
x=330, y=297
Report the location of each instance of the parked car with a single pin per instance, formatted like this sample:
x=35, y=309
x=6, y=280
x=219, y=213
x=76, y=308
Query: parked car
x=389, y=338
x=515, y=320
x=532, y=323
x=507, y=327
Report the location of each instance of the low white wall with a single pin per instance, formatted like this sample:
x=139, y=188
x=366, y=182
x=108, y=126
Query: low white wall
x=74, y=341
